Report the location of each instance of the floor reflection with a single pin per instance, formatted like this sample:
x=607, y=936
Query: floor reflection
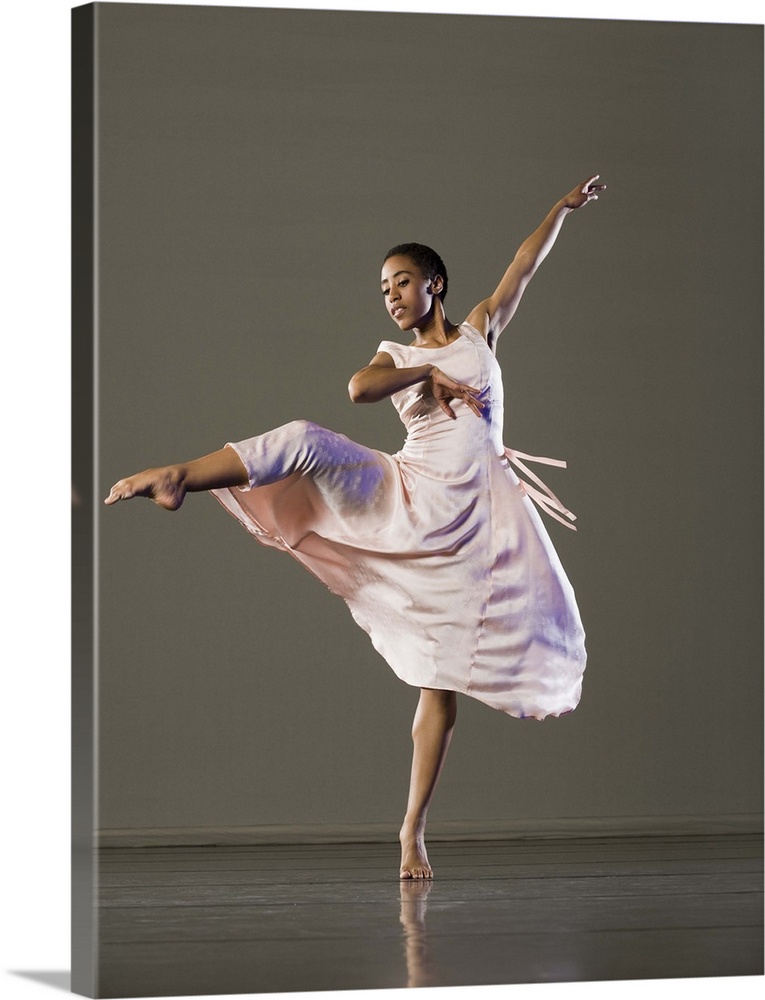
x=191, y=921
x=420, y=969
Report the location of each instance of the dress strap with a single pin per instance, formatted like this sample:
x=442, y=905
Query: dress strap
x=543, y=496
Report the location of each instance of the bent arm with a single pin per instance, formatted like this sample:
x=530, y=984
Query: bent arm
x=493, y=314
x=380, y=379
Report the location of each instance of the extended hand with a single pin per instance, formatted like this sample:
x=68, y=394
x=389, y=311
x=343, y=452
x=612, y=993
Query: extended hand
x=583, y=193
x=446, y=389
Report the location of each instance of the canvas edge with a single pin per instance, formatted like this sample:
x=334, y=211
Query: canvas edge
x=83, y=541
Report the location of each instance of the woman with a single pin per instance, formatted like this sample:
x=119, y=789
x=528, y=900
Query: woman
x=437, y=550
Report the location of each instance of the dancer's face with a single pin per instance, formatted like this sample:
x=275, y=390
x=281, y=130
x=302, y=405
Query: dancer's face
x=407, y=292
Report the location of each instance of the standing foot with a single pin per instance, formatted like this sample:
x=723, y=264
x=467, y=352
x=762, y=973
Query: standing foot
x=414, y=857
x=164, y=486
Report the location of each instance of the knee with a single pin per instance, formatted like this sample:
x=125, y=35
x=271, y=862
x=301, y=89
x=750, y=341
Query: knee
x=311, y=436
x=301, y=429
x=305, y=439
x=322, y=452
x=446, y=700
x=436, y=708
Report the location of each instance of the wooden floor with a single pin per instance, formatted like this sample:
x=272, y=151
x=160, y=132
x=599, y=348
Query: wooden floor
x=185, y=921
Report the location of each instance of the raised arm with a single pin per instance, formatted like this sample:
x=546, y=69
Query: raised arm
x=492, y=315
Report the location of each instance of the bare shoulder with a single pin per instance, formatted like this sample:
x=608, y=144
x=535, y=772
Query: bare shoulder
x=480, y=319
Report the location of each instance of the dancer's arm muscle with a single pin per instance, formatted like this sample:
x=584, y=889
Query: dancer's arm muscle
x=493, y=314
x=380, y=379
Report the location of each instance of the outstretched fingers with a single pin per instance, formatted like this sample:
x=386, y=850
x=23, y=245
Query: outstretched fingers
x=445, y=389
x=584, y=193
x=470, y=396
x=466, y=393
x=590, y=188
x=446, y=408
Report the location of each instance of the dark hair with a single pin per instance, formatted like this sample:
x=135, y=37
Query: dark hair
x=426, y=259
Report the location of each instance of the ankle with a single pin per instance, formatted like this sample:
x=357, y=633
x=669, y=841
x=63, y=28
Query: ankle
x=413, y=826
x=177, y=476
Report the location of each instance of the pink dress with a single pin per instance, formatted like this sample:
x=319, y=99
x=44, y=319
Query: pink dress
x=438, y=550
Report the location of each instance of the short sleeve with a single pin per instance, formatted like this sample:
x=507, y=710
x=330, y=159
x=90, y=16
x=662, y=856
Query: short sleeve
x=395, y=350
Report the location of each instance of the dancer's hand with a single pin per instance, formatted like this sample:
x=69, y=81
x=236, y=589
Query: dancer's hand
x=582, y=193
x=446, y=389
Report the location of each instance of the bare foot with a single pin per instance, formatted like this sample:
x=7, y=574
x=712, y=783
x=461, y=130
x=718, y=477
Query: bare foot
x=164, y=486
x=414, y=857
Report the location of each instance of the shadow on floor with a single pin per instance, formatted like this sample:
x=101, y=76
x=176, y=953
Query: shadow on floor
x=57, y=980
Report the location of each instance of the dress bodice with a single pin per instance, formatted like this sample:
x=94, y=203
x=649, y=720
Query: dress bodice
x=431, y=434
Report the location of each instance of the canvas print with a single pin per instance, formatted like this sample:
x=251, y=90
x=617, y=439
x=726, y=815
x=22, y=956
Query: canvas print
x=354, y=709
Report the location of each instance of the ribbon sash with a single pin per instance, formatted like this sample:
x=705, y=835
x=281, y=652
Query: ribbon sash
x=541, y=494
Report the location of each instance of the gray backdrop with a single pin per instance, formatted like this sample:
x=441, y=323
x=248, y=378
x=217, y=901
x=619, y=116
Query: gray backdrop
x=253, y=168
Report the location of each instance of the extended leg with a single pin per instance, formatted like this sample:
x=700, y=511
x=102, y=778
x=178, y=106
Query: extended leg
x=169, y=484
x=431, y=733
x=349, y=476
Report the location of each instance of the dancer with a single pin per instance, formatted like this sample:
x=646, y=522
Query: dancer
x=438, y=550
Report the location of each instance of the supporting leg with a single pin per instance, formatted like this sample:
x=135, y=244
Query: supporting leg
x=431, y=734
x=168, y=485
